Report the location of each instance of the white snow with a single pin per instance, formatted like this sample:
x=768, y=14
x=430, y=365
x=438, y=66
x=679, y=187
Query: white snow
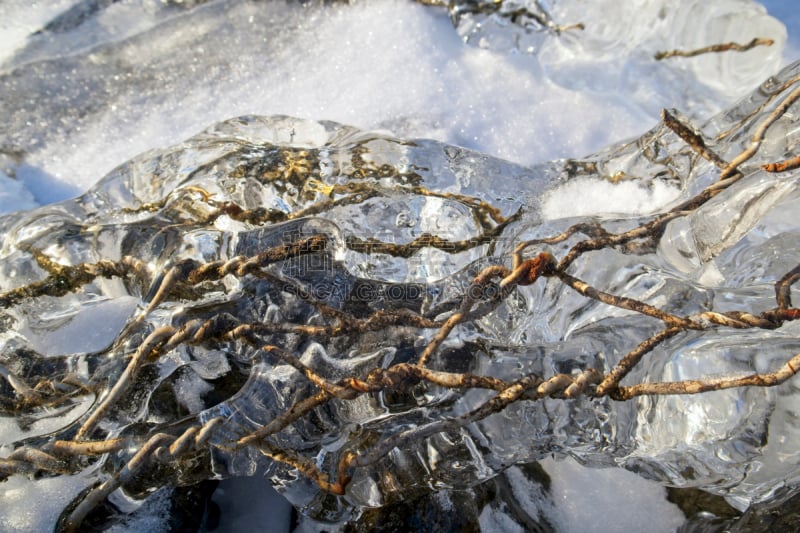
x=400, y=66
x=607, y=500
x=397, y=65
x=580, y=197
x=20, y=18
x=34, y=508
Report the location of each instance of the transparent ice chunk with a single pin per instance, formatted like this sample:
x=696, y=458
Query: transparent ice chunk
x=285, y=257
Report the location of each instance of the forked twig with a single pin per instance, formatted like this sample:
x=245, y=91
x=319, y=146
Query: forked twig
x=760, y=132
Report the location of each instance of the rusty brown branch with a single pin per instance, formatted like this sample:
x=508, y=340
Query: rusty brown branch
x=783, y=166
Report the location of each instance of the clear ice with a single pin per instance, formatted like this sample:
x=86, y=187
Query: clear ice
x=253, y=183
x=406, y=224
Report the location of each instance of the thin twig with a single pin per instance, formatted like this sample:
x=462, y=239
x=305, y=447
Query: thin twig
x=715, y=48
x=696, y=386
x=692, y=138
x=758, y=135
x=627, y=363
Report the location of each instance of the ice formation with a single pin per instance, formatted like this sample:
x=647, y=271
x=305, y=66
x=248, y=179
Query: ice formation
x=239, y=268
x=269, y=253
